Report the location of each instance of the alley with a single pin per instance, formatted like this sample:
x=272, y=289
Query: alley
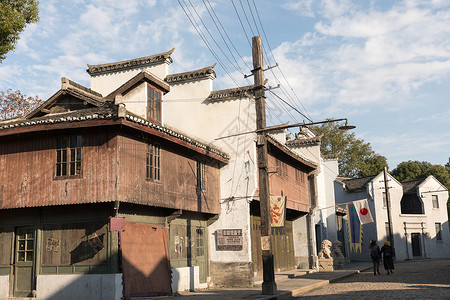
x=424, y=279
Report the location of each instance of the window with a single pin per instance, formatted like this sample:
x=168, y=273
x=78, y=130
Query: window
x=153, y=162
x=153, y=104
x=384, y=200
x=299, y=176
x=438, y=227
x=200, y=247
x=435, y=201
x=386, y=225
x=201, y=176
x=68, y=155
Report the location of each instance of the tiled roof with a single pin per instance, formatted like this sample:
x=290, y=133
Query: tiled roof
x=291, y=153
x=68, y=87
x=231, y=94
x=207, y=72
x=132, y=117
x=305, y=141
x=140, y=77
x=109, y=111
x=411, y=186
x=331, y=155
x=129, y=64
x=357, y=184
x=65, y=117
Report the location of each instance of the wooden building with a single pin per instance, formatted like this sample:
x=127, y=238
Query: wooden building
x=88, y=193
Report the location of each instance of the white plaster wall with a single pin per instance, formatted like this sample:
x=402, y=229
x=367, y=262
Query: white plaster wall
x=311, y=152
x=4, y=287
x=107, y=83
x=186, y=279
x=136, y=100
x=185, y=109
x=435, y=248
x=82, y=286
x=330, y=171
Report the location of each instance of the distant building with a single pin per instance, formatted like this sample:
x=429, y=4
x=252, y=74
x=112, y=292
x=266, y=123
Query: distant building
x=419, y=216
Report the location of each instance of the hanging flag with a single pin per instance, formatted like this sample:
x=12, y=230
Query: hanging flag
x=277, y=211
x=363, y=211
x=354, y=229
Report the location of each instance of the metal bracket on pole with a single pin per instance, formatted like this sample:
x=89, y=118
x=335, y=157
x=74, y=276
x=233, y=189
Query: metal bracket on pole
x=268, y=68
x=273, y=87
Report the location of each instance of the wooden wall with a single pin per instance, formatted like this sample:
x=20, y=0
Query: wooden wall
x=283, y=180
x=113, y=167
x=28, y=164
x=177, y=186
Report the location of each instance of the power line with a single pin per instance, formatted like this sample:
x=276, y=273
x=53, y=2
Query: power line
x=197, y=28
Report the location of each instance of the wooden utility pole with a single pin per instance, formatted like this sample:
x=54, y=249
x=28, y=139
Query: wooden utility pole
x=269, y=286
x=388, y=207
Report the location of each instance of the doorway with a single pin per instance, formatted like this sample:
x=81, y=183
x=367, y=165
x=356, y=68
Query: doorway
x=24, y=279
x=415, y=241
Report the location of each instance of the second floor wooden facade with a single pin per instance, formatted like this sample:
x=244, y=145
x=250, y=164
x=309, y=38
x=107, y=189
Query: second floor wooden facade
x=105, y=158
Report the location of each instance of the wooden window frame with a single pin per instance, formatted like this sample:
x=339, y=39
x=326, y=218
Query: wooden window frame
x=154, y=104
x=68, y=156
x=153, y=162
x=201, y=175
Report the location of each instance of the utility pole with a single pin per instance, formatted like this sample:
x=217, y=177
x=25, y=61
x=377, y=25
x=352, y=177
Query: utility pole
x=388, y=207
x=269, y=287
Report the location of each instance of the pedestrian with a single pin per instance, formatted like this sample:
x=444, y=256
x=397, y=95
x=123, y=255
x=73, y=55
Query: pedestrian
x=375, y=255
x=388, y=254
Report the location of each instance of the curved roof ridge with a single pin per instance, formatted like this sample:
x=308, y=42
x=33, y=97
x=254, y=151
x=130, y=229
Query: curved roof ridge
x=129, y=64
x=233, y=93
x=206, y=72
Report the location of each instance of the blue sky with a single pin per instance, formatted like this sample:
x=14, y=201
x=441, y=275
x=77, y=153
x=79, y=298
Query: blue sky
x=384, y=65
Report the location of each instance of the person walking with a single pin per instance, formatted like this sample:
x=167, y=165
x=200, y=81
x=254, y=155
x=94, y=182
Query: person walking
x=375, y=255
x=388, y=254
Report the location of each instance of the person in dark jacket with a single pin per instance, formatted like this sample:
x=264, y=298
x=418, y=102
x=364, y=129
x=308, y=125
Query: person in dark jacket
x=388, y=254
x=375, y=255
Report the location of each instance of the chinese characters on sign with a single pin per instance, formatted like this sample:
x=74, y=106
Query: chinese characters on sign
x=277, y=211
x=229, y=239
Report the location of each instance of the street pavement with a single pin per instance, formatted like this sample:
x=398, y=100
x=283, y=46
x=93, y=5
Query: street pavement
x=420, y=279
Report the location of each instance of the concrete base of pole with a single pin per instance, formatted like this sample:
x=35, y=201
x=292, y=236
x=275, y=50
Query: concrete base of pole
x=269, y=287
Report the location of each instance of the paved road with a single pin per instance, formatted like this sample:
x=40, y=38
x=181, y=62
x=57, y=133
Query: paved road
x=425, y=279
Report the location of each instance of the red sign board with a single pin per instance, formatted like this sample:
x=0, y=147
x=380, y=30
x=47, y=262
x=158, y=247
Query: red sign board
x=116, y=224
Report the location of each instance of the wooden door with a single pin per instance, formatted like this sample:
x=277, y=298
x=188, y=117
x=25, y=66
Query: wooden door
x=23, y=262
x=282, y=243
x=256, y=244
x=200, y=257
x=415, y=239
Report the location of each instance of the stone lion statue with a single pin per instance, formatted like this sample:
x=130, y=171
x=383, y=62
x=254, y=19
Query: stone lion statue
x=325, y=252
x=336, y=253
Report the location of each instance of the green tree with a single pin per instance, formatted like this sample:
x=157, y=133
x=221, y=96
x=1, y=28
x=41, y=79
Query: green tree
x=15, y=104
x=410, y=170
x=356, y=159
x=14, y=16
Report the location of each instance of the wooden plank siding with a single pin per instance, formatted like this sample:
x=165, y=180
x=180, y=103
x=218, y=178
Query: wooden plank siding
x=28, y=163
x=113, y=168
x=283, y=180
x=177, y=187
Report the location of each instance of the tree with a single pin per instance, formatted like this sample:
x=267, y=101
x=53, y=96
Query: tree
x=14, y=16
x=410, y=170
x=15, y=104
x=356, y=159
